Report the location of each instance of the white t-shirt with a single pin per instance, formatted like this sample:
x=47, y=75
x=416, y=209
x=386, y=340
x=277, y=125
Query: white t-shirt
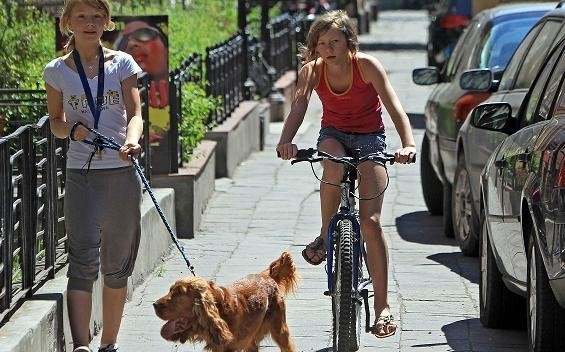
x=113, y=119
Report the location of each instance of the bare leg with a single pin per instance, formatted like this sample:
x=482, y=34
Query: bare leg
x=113, y=301
x=372, y=181
x=79, y=304
x=330, y=195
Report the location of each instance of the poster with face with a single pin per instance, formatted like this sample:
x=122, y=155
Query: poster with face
x=145, y=38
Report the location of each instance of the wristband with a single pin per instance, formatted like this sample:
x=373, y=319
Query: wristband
x=71, y=135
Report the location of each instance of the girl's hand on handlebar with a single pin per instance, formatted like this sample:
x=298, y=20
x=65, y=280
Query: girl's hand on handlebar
x=406, y=155
x=287, y=151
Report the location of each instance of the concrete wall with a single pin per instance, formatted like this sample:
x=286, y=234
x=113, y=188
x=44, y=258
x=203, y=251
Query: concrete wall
x=193, y=185
x=237, y=137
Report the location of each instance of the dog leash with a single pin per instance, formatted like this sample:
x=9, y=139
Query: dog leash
x=102, y=141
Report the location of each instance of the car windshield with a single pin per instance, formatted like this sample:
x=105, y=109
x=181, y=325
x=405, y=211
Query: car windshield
x=502, y=41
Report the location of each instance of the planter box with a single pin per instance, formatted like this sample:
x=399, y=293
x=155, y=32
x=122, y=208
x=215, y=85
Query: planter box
x=193, y=185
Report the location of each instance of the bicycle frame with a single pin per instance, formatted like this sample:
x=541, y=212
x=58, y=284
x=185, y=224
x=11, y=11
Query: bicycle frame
x=346, y=210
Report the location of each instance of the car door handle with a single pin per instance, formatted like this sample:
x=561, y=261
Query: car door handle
x=500, y=163
x=524, y=157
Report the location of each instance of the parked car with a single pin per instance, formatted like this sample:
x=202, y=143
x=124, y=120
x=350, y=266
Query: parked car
x=523, y=211
x=448, y=18
x=488, y=42
x=474, y=146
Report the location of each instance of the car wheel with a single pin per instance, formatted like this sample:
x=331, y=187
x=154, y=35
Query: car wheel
x=432, y=188
x=465, y=221
x=546, y=318
x=499, y=308
x=447, y=218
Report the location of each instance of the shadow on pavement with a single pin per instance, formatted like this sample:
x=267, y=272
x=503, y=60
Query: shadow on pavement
x=466, y=267
x=421, y=227
x=471, y=335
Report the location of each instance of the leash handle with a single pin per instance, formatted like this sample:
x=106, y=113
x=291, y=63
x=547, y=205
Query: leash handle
x=111, y=144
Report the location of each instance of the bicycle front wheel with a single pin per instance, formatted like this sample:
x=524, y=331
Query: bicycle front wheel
x=345, y=304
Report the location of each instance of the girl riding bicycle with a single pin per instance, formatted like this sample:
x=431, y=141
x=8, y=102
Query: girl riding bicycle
x=352, y=87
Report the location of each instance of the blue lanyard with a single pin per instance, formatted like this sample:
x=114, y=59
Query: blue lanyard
x=95, y=109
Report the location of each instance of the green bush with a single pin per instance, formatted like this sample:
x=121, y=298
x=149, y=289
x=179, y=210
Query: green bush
x=195, y=109
x=27, y=40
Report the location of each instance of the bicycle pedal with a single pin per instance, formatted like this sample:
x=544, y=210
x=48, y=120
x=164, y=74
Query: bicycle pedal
x=327, y=293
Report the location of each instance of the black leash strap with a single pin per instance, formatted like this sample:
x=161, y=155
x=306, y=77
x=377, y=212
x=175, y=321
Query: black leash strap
x=101, y=141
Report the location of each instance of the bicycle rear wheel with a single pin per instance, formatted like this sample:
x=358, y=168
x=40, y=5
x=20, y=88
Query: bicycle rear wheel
x=345, y=305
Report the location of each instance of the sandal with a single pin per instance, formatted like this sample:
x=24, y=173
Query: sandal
x=317, y=251
x=384, y=326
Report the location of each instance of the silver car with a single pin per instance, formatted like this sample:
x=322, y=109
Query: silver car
x=522, y=207
x=474, y=146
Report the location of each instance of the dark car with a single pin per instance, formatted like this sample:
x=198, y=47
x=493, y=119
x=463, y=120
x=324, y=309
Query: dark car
x=448, y=18
x=522, y=203
x=488, y=42
x=474, y=145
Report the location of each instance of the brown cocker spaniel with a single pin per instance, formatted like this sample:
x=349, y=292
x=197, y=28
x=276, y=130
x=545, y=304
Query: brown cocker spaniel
x=231, y=318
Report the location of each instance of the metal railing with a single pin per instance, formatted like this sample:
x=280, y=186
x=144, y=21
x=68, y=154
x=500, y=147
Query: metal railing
x=33, y=240
x=224, y=74
x=190, y=70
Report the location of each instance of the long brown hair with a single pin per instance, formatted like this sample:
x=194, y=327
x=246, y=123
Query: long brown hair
x=337, y=19
x=102, y=5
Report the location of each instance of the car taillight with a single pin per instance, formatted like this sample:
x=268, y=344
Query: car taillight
x=467, y=102
x=453, y=21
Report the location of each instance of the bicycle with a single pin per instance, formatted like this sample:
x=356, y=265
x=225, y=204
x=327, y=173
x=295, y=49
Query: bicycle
x=346, y=285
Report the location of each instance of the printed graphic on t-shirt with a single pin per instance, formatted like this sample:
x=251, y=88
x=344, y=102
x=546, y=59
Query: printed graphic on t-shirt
x=111, y=97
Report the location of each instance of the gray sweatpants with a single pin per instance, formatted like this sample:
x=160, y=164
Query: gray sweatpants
x=103, y=223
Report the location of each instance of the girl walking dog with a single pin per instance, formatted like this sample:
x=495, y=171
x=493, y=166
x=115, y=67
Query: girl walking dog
x=95, y=87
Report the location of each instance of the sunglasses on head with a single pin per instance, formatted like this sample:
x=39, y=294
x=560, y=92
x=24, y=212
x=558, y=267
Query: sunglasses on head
x=142, y=35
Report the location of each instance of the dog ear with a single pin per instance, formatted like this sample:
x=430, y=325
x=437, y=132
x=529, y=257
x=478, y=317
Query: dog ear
x=209, y=318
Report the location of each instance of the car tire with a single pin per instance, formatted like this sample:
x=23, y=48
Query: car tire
x=546, y=318
x=432, y=188
x=447, y=218
x=465, y=220
x=499, y=307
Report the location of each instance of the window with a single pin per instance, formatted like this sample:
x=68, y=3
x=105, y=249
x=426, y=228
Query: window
x=536, y=54
x=460, y=50
x=502, y=40
x=548, y=80
x=514, y=64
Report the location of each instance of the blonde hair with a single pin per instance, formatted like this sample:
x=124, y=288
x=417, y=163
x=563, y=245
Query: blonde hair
x=337, y=19
x=102, y=5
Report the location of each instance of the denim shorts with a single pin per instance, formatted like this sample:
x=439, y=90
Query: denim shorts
x=367, y=143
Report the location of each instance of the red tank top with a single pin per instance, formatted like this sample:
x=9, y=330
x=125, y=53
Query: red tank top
x=358, y=109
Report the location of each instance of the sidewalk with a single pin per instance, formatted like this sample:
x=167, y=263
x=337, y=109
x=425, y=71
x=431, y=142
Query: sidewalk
x=270, y=206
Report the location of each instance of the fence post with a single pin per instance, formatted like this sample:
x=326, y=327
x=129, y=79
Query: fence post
x=6, y=228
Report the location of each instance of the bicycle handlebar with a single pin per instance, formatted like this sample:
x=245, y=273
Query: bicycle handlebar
x=308, y=155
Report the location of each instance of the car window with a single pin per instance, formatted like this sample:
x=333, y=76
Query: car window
x=512, y=68
x=502, y=40
x=545, y=88
x=560, y=105
x=460, y=50
x=537, y=53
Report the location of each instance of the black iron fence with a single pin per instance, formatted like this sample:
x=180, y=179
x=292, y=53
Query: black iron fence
x=33, y=240
x=225, y=75
x=189, y=71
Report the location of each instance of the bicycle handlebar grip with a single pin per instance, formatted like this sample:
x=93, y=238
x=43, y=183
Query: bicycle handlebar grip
x=305, y=153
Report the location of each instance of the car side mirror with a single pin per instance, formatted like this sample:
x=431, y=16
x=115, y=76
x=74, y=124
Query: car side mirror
x=426, y=76
x=479, y=80
x=492, y=116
